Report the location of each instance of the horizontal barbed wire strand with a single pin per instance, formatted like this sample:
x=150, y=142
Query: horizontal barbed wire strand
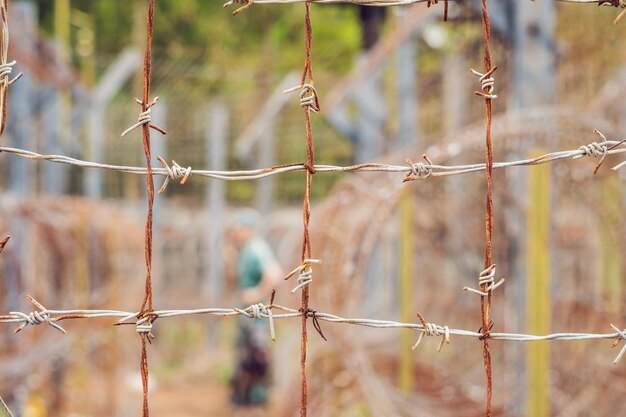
x=381, y=3
x=429, y=169
x=55, y=316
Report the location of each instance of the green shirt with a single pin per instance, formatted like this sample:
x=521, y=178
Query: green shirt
x=255, y=257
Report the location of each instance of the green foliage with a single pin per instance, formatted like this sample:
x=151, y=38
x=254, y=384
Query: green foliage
x=263, y=42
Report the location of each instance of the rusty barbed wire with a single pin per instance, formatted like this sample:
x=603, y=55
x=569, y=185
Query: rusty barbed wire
x=144, y=320
x=413, y=171
x=245, y=4
x=6, y=67
x=486, y=281
x=52, y=317
x=146, y=315
x=382, y=3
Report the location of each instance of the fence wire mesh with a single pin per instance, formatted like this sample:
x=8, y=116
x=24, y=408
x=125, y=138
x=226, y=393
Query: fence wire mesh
x=147, y=316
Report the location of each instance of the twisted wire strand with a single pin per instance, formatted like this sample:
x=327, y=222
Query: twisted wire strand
x=174, y=173
x=267, y=313
x=486, y=280
x=305, y=273
x=414, y=170
x=6, y=67
x=382, y=3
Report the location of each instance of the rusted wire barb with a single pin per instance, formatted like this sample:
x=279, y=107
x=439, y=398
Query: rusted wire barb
x=175, y=173
x=36, y=318
x=596, y=150
x=6, y=67
x=430, y=329
x=419, y=171
x=445, y=7
x=4, y=242
x=621, y=335
x=305, y=273
x=245, y=5
x=145, y=117
x=487, y=282
x=487, y=83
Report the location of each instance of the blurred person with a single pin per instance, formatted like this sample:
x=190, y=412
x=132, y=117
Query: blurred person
x=258, y=272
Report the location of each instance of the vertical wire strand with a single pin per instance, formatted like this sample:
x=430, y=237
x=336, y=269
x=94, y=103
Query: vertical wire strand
x=146, y=305
x=306, y=210
x=485, y=302
x=4, y=54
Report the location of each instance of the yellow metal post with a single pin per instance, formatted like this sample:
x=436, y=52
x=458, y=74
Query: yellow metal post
x=538, y=290
x=611, y=263
x=62, y=23
x=405, y=374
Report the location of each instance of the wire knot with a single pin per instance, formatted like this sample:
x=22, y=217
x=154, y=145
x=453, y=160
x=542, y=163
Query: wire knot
x=309, y=99
x=245, y=3
x=621, y=335
x=487, y=83
x=145, y=118
x=5, y=74
x=260, y=311
x=174, y=173
x=487, y=282
x=316, y=323
x=594, y=149
x=305, y=273
x=144, y=324
x=35, y=318
x=430, y=329
x=419, y=170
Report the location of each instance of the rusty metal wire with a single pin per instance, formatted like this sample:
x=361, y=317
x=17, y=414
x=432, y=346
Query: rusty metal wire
x=6, y=67
x=412, y=171
x=145, y=318
x=247, y=3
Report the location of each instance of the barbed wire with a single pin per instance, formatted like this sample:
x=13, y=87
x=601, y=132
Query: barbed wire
x=382, y=3
x=145, y=319
x=413, y=171
x=260, y=311
x=6, y=67
x=245, y=4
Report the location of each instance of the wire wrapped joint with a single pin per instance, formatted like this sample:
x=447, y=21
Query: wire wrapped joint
x=430, y=329
x=145, y=118
x=419, y=170
x=595, y=150
x=305, y=273
x=245, y=4
x=5, y=74
x=174, y=173
x=144, y=325
x=309, y=99
x=260, y=311
x=35, y=318
x=487, y=282
x=621, y=335
x=487, y=83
